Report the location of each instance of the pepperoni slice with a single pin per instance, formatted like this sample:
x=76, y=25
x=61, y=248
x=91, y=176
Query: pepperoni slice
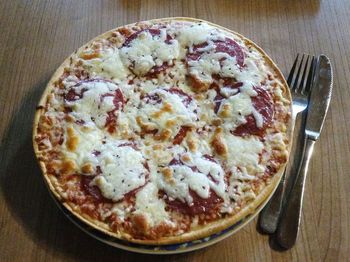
x=72, y=95
x=132, y=145
x=174, y=162
x=186, y=99
x=218, y=100
x=154, y=32
x=118, y=101
x=75, y=93
x=209, y=157
x=263, y=104
x=153, y=73
x=198, y=206
x=96, y=194
x=227, y=82
x=154, y=98
x=219, y=97
x=93, y=191
x=228, y=46
x=232, y=48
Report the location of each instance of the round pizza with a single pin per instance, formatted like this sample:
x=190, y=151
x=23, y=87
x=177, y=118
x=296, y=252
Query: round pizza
x=164, y=131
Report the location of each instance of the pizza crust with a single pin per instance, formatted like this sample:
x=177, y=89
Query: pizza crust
x=200, y=231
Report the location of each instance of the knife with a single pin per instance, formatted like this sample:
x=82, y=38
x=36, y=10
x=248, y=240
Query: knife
x=288, y=227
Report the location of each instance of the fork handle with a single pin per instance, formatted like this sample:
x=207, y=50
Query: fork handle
x=288, y=227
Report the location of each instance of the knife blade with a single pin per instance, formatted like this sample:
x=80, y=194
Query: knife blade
x=288, y=227
x=320, y=98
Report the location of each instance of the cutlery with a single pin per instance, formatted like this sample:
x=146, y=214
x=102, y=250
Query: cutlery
x=299, y=82
x=320, y=97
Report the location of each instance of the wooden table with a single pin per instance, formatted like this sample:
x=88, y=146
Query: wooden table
x=36, y=36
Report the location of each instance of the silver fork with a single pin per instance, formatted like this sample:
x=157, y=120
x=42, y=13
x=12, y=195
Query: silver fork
x=300, y=90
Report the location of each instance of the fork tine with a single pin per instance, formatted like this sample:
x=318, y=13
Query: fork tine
x=302, y=81
x=295, y=84
x=310, y=77
x=291, y=73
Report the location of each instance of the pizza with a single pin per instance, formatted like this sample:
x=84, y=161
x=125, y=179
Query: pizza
x=164, y=131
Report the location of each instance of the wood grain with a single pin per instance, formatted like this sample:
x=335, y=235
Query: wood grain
x=36, y=36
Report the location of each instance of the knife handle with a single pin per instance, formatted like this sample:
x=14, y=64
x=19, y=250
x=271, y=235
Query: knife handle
x=288, y=227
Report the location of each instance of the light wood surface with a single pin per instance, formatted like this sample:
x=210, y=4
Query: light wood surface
x=36, y=36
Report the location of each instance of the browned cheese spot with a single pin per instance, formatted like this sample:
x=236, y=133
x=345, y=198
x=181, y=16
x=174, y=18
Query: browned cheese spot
x=170, y=123
x=185, y=158
x=72, y=139
x=87, y=168
x=165, y=109
x=68, y=167
x=69, y=118
x=216, y=122
x=157, y=147
x=218, y=143
x=163, y=135
x=168, y=174
x=225, y=111
x=192, y=144
x=144, y=126
x=198, y=85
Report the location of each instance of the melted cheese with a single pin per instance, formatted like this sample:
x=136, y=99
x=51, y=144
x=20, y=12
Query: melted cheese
x=206, y=66
x=108, y=65
x=197, y=34
x=235, y=109
x=251, y=75
x=122, y=170
x=155, y=115
x=151, y=206
x=227, y=91
x=89, y=138
x=184, y=178
x=147, y=51
x=93, y=107
x=243, y=152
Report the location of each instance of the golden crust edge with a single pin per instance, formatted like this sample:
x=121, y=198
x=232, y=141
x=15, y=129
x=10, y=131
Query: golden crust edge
x=208, y=229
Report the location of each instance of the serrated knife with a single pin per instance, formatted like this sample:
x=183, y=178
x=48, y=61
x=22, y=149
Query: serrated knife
x=320, y=98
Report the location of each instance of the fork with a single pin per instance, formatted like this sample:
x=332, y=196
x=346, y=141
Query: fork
x=300, y=90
